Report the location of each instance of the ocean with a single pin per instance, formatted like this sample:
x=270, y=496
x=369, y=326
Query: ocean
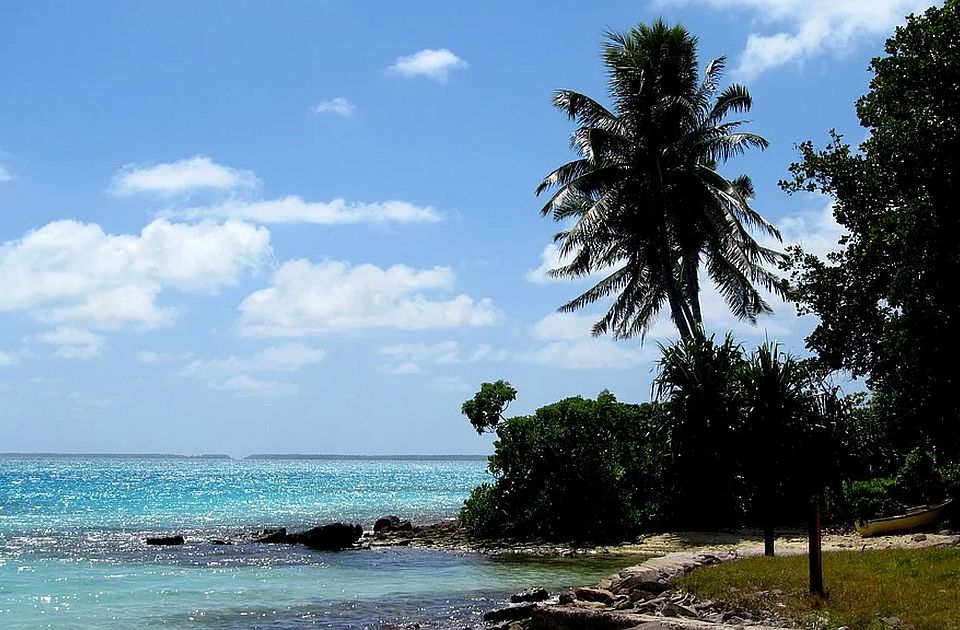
x=72, y=550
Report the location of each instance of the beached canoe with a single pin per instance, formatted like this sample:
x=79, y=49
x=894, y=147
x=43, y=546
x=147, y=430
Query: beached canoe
x=915, y=518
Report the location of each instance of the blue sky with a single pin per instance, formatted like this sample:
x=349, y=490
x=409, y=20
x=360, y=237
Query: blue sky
x=310, y=226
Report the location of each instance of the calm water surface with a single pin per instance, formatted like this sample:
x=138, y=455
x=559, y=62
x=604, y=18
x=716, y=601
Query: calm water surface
x=72, y=553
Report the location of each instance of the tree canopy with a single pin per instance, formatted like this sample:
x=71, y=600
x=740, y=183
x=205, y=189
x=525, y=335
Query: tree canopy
x=886, y=299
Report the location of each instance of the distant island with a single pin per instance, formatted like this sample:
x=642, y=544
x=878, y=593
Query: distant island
x=257, y=456
x=402, y=458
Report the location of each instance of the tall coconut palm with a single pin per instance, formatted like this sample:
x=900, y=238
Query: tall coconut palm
x=644, y=203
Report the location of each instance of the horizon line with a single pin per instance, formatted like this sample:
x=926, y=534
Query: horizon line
x=413, y=456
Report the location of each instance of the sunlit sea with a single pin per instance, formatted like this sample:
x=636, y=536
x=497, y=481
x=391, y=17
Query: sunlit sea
x=72, y=550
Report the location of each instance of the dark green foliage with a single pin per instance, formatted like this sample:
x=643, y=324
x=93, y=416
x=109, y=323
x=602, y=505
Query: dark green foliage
x=575, y=470
x=919, y=481
x=737, y=440
x=886, y=300
x=485, y=409
x=872, y=498
x=699, y=384
x=751, y=438
x=645, y=200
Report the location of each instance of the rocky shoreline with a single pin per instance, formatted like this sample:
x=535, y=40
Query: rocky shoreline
x=638, y=596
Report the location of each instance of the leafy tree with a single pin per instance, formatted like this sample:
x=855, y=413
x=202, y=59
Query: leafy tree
x=886, y=300
x=485, y=410
x=578, y=469
x=645, y=198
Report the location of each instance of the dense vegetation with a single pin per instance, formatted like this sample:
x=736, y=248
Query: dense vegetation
x=733, y=437
x=886, y=301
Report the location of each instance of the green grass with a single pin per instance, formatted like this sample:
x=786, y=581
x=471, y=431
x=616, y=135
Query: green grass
x=921, y=587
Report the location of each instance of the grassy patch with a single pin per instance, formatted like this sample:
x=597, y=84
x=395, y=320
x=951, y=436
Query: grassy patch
x=921, y=587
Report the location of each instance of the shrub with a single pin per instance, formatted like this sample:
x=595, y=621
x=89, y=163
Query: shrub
x=578, y=469
x=873, y=498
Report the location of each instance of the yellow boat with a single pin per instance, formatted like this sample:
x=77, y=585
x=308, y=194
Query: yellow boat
x=915, y=518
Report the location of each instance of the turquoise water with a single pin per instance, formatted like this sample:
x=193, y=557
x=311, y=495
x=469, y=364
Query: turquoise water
x=72, y=552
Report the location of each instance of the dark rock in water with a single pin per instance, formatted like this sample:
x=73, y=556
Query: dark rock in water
x=386, y=523
x=332, y=537
x=510, y=613
x=530, y=595
x=165, y=540
x=588, y=594
x=391, y=523
x=278, y=535
x=577, y=618
x=217, y=541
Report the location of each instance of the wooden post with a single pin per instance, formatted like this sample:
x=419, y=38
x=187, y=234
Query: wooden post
x=816, y=550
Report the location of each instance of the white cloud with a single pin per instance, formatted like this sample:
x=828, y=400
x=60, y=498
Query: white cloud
x=5, y=175
x=811, y=27
x=569, y=345
x=146, y=356
x=550, y=259
x=309, y=299
x=442, y=352
x=7, y=359
x=817, y=232
x=485, y=352
x=450, y=384
x=339, y=106
x=71, y=272
x=72, y=343
x=285, y=358
x=407, y=358
x=244, y=385
x=233, y=373
x=182, y=176
x=430, y=63
x=293, y=209
x=564, y=342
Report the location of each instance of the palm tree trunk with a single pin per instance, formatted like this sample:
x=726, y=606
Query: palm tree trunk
x=691, y=263
x=678, y=310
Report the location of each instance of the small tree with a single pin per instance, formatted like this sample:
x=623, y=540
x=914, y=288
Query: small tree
x=485, y=410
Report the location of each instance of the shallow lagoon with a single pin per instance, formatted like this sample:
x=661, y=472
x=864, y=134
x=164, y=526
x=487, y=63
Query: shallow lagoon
x=72, y=552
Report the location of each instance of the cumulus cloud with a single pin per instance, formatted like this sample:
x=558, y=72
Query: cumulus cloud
x=147, y=356
x=7, y=359
x=551, y=259
x=293, y=209
x=233, y=373
x=450, y=384
x=72, y=343
x=406, y=358
x=810, y=27
x=198, y=172
x=567, y=344
x=817, y=231
x=244, y=385
x=430, y=63
x=5, y=175
x=309, y=299
x=339, y=106
x=72, y=272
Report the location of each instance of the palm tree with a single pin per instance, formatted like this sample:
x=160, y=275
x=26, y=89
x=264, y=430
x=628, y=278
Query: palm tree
x=644, y=198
